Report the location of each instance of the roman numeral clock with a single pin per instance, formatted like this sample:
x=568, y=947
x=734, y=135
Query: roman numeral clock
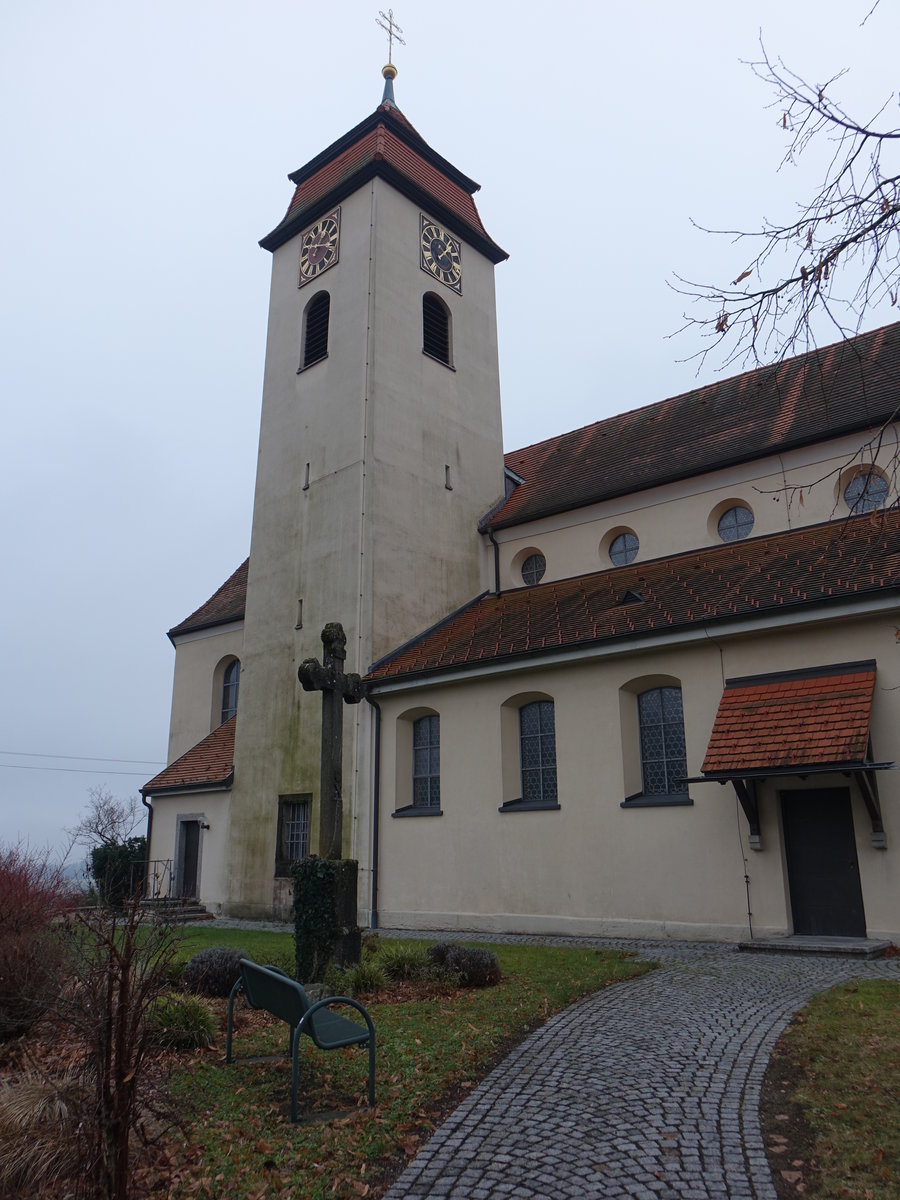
x=319, y=247
x=440, y=254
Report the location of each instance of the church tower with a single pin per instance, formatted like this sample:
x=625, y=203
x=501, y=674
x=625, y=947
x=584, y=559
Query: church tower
x=380, y=448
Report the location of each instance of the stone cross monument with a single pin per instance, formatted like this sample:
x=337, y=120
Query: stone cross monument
x=336, y=688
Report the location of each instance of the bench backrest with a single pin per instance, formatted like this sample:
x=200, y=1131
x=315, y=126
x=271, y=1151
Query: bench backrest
x=276, y=993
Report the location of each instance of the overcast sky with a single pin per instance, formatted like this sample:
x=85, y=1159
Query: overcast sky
x=145, y=149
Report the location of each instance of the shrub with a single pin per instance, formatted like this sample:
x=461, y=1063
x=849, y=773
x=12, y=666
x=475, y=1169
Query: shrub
x=119, y=870
x=473, y=966
x=401, y=962
x=371, y=943
x=180, y=1023
x=214, y=971
x=365, y=979
x=33, y=894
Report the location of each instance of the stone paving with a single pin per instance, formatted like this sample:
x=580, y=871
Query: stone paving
x=648, y=1089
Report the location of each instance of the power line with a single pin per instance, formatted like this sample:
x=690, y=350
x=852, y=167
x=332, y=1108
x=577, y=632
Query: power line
x=145, y=762
x=72, y=770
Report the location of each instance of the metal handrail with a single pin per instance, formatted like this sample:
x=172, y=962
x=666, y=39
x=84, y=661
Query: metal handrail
x=158, y=883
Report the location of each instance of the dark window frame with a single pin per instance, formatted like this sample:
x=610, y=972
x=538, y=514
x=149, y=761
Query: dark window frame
x=870, y=495
x=537, y=730
x=230, y=687
x=437, y=329
x=669, y=729
x=288, y=812
x=316, y=328
x=732, y=526
x=621, y=550
x=533, y=569
x=426, y=745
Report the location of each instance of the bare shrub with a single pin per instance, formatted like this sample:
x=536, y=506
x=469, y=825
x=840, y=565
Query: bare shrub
x=33, y=895
x=39, y=1131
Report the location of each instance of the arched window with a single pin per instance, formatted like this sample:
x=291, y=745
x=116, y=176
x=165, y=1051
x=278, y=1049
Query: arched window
x=537, y=747
x=436, y=328
x=663, y=753
x=427, y=762
x=735, y=523
x=230, y=681
x=315, y=329
x=866, y=490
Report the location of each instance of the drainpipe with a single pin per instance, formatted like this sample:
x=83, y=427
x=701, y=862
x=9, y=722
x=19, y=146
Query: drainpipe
x=493, y=542
x=149, y=808
x=376, y=799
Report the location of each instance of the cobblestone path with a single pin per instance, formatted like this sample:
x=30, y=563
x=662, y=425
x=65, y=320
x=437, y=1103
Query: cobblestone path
x=650, y=1088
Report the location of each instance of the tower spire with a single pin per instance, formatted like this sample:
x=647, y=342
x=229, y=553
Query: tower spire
x=389, y=71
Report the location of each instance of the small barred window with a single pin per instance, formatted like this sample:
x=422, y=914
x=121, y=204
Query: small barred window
x=623, y=549
x=735, y=524
x=866, y=491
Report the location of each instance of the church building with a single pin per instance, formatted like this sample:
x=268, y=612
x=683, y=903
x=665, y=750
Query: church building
x=640, y=679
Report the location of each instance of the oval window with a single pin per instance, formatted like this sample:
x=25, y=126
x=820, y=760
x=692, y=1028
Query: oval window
x=866, y=491
x=623, y=549
x=533, y=568
x=735, y=524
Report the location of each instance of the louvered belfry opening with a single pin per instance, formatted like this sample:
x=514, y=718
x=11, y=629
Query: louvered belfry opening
x=315, y=343
x=435, y=328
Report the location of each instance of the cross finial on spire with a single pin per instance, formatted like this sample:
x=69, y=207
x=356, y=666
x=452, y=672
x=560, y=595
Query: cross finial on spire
x=392, y=29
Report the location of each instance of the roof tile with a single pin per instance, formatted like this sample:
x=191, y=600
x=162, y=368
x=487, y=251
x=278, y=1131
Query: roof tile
x=209, y=762
x=226, y=604
x=817, y=719
x=842, y=388
x=704, y=585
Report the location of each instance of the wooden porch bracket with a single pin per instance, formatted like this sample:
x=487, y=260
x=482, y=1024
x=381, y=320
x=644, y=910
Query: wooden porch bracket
x=746, y=793
x=868, y=786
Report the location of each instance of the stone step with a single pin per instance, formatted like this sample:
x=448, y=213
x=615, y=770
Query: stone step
x=178, y=910
x=802, y=944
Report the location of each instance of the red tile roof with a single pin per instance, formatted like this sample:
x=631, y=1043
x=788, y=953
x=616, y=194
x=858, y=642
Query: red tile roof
x=800, y=719
x=849, y=560
x=843, y=388
x=385, y=144
x=227, y=604
x=208, y=764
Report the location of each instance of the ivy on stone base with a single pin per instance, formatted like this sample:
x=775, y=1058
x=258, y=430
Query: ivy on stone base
x=325, y=928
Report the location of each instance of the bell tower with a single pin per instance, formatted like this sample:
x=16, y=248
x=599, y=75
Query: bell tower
x=380, y=448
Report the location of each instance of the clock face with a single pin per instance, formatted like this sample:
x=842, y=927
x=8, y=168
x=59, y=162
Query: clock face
x=319, y=247
x=441, y=255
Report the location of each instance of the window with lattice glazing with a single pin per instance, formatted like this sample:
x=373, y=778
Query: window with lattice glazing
x=427, y=762
x=663, y=753
x=537, y=744
x=533, y=569
x=866, y=491
x=315, y=339
x=436, y=328
x=230, y=682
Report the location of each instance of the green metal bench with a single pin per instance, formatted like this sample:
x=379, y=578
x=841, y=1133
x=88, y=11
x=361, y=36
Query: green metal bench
x=272, y=990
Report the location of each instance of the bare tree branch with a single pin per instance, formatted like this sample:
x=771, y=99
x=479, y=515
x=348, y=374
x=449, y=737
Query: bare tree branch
x=839, y=257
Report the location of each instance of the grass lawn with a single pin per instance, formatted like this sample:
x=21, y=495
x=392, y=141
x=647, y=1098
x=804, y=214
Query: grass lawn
x=433, y=1045
x=831, y=1107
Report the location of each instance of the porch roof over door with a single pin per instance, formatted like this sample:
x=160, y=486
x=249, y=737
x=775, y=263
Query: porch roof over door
x=793, y=722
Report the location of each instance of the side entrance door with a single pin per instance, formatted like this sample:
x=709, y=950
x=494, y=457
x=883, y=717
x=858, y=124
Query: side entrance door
x=188, y=859
x=823, y=870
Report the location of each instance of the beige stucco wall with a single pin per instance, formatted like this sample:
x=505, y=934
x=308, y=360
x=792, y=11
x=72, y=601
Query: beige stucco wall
x=802, y=487
x=593, y=866
x=376, y=540
x=212, y=809
x=197, y=685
